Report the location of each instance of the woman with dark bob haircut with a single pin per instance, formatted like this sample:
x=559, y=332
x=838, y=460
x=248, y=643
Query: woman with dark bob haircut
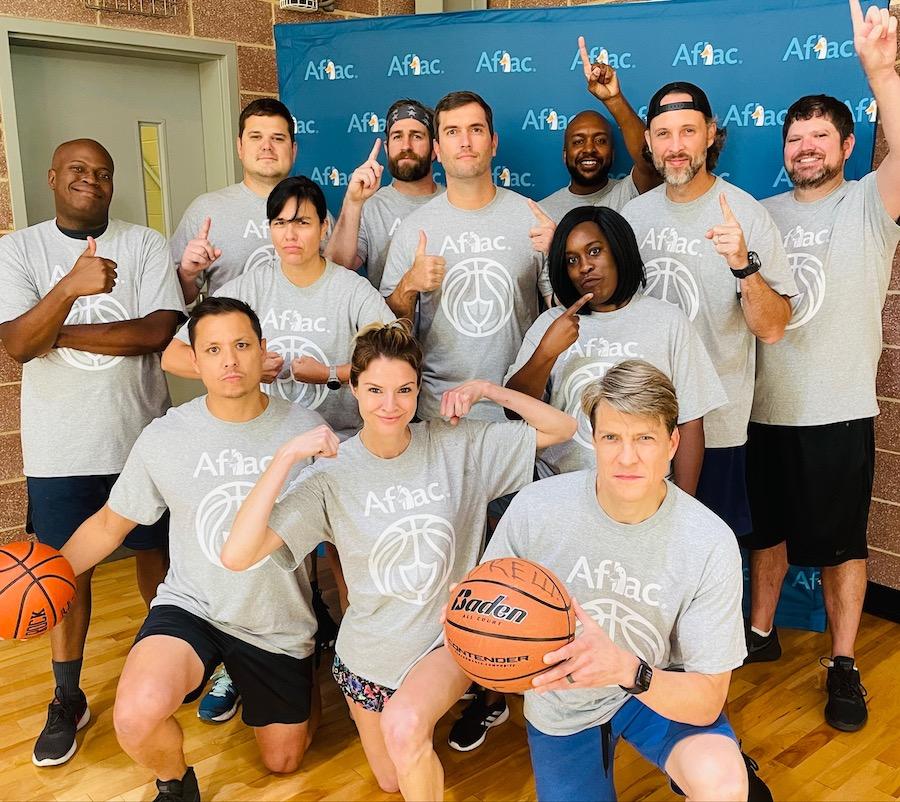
x=603, y=319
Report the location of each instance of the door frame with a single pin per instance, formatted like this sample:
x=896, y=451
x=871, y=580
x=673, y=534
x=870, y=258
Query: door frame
x=219, y=98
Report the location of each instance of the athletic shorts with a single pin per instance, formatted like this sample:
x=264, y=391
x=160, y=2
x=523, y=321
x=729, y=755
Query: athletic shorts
x=364, y=692
x=274, y=688
x=810, y=486
x=722, y=486
x=58, y=505
x=579, y=766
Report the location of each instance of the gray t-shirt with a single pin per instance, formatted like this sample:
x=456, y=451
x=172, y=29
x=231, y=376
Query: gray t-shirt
x=472, y=326
x=112, y=397
x=239, y=228
x=381, y=217
x=319, y=321
x=840, y=249
x=202, y=468
x=667, y=589
x=614, y=195
x=646, y=328
x=405, y=529
x=683, y=268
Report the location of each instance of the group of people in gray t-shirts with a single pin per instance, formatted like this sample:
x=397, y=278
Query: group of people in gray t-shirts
x=683, y=368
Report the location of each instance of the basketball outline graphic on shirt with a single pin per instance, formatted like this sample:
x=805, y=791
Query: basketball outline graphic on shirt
x=263, y=256
x=93, y=309
x=573, y=389
x=477, y=296
x=809, y=276
x=218, y=507
x=291, y=346
x=677, y=280
x=416, y=537
x=617, y=618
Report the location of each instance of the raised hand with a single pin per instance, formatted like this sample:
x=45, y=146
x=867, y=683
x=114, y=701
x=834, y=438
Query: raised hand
x=427, y=272
x=458, y=402
x=366, y=179
x=602, y=81
x=272, y=365
x=541, y=234
x=199, y=253
x=728, y=238
x=91, y=274
x=318, y=442
x=564, y=331
x=874, y=37
x=309, y=370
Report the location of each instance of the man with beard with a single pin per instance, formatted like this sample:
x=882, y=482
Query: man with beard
x=588, y=148
x=370, y=215
x=713, y=250
x=811, y=448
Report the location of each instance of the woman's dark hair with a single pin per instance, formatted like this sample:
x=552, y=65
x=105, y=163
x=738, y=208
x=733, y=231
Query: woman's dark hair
x=300, y=188
x=623, y=248
x=221, y=305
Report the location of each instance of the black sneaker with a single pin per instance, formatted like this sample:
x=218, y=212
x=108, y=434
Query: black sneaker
x=469, y=732
x=758, y=791
x=183, y=790
x=56, y=744
x=761, y=649
x=846, y=707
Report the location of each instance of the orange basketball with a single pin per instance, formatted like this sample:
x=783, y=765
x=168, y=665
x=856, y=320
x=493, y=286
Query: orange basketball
x=37, y=585
x=503, y=618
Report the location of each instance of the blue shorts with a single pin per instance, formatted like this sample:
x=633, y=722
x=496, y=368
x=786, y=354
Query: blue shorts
x=58, y=505
x=722, y=487
x=573, y=767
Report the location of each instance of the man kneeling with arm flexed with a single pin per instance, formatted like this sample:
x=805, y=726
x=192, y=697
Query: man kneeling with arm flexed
x=659, y=576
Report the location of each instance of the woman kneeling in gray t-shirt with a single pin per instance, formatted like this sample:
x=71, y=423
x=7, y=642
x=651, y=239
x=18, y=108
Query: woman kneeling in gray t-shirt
x=405, y=505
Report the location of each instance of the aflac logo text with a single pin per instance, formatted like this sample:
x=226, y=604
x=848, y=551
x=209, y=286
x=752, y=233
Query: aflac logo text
x=618, y=61
x=366, y=123
x=502, y=61
x=329, y=176
x=304, y=126
x=755, y=114
x=327, y=70
x=411, y=64
x=504, y=177
x=705, y=54
x=817, y=47
x=545, y=120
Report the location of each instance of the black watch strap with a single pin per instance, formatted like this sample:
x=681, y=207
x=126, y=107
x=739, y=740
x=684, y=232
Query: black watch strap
x=641, y=679
x=752, y=267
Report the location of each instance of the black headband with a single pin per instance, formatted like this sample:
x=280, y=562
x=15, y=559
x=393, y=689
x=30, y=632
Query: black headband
x=411, y=111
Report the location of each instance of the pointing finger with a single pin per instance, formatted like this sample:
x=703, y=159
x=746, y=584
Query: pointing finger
x=856, y=14
x=375, y=148
x=573, y=309
x=203, y=233
x=727, y=214
x=585, y=59
x=540, y=215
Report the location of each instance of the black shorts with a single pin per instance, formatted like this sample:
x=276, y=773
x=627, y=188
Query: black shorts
x=275, y=688
x=58, y=505
x=810, y=486
x=722, y=486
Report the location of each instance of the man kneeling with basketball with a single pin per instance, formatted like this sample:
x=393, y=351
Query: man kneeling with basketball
x=200, y=460
x=659, y=578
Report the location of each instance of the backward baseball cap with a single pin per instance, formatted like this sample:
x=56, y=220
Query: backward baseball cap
x=698, y=102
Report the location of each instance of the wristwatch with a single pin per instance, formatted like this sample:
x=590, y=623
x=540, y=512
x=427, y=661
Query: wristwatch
x=641, y=679
x=333, y=383
x=750, y=269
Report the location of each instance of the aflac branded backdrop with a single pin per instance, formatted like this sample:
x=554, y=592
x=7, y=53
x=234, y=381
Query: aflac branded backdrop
x=753, y=59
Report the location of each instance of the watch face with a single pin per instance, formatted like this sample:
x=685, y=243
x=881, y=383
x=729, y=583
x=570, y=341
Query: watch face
x=333, y=384
x=753, y=258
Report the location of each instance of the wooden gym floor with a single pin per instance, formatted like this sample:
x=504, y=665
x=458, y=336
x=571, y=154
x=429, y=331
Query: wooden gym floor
x=775, y=708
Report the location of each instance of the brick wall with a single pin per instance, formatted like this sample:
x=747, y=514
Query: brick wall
x=248, y=23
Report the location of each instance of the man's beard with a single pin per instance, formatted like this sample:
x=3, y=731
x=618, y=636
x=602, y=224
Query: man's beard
x=677, y=178
x=410, y=171
x=814, y=180
x=598, y=179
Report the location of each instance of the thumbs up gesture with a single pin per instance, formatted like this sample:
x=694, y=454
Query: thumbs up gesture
x=427, y=272
x=728, y=238
x=91, y=274
x=541, y=233
x=199, y=253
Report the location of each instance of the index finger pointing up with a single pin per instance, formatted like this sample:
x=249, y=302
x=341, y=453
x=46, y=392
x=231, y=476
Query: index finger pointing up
x=585, y=58
x=856, y=14
x=540, y=214
x=375, y=149
x=727, y=214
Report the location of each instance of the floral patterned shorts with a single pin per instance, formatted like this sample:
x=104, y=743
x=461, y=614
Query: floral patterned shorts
x=367, y=694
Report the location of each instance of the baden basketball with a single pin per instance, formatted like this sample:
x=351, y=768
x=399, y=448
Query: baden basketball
x=37, y=586
x=503, y=618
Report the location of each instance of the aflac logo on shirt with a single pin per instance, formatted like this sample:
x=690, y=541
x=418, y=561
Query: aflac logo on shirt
x=706, y=55
x=817, y=48
x=329, y=176
x=502, y=61
x=366, y=123
x=327, y=70
x=411, y=64
x=505, y=177
x=618, y=61
x=546, y=119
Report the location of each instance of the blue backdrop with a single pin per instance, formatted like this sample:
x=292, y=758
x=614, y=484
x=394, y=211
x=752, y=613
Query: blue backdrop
x=753, y=59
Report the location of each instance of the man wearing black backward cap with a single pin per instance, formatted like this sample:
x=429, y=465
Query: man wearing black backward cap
x=371, y=213
x=713, y=250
